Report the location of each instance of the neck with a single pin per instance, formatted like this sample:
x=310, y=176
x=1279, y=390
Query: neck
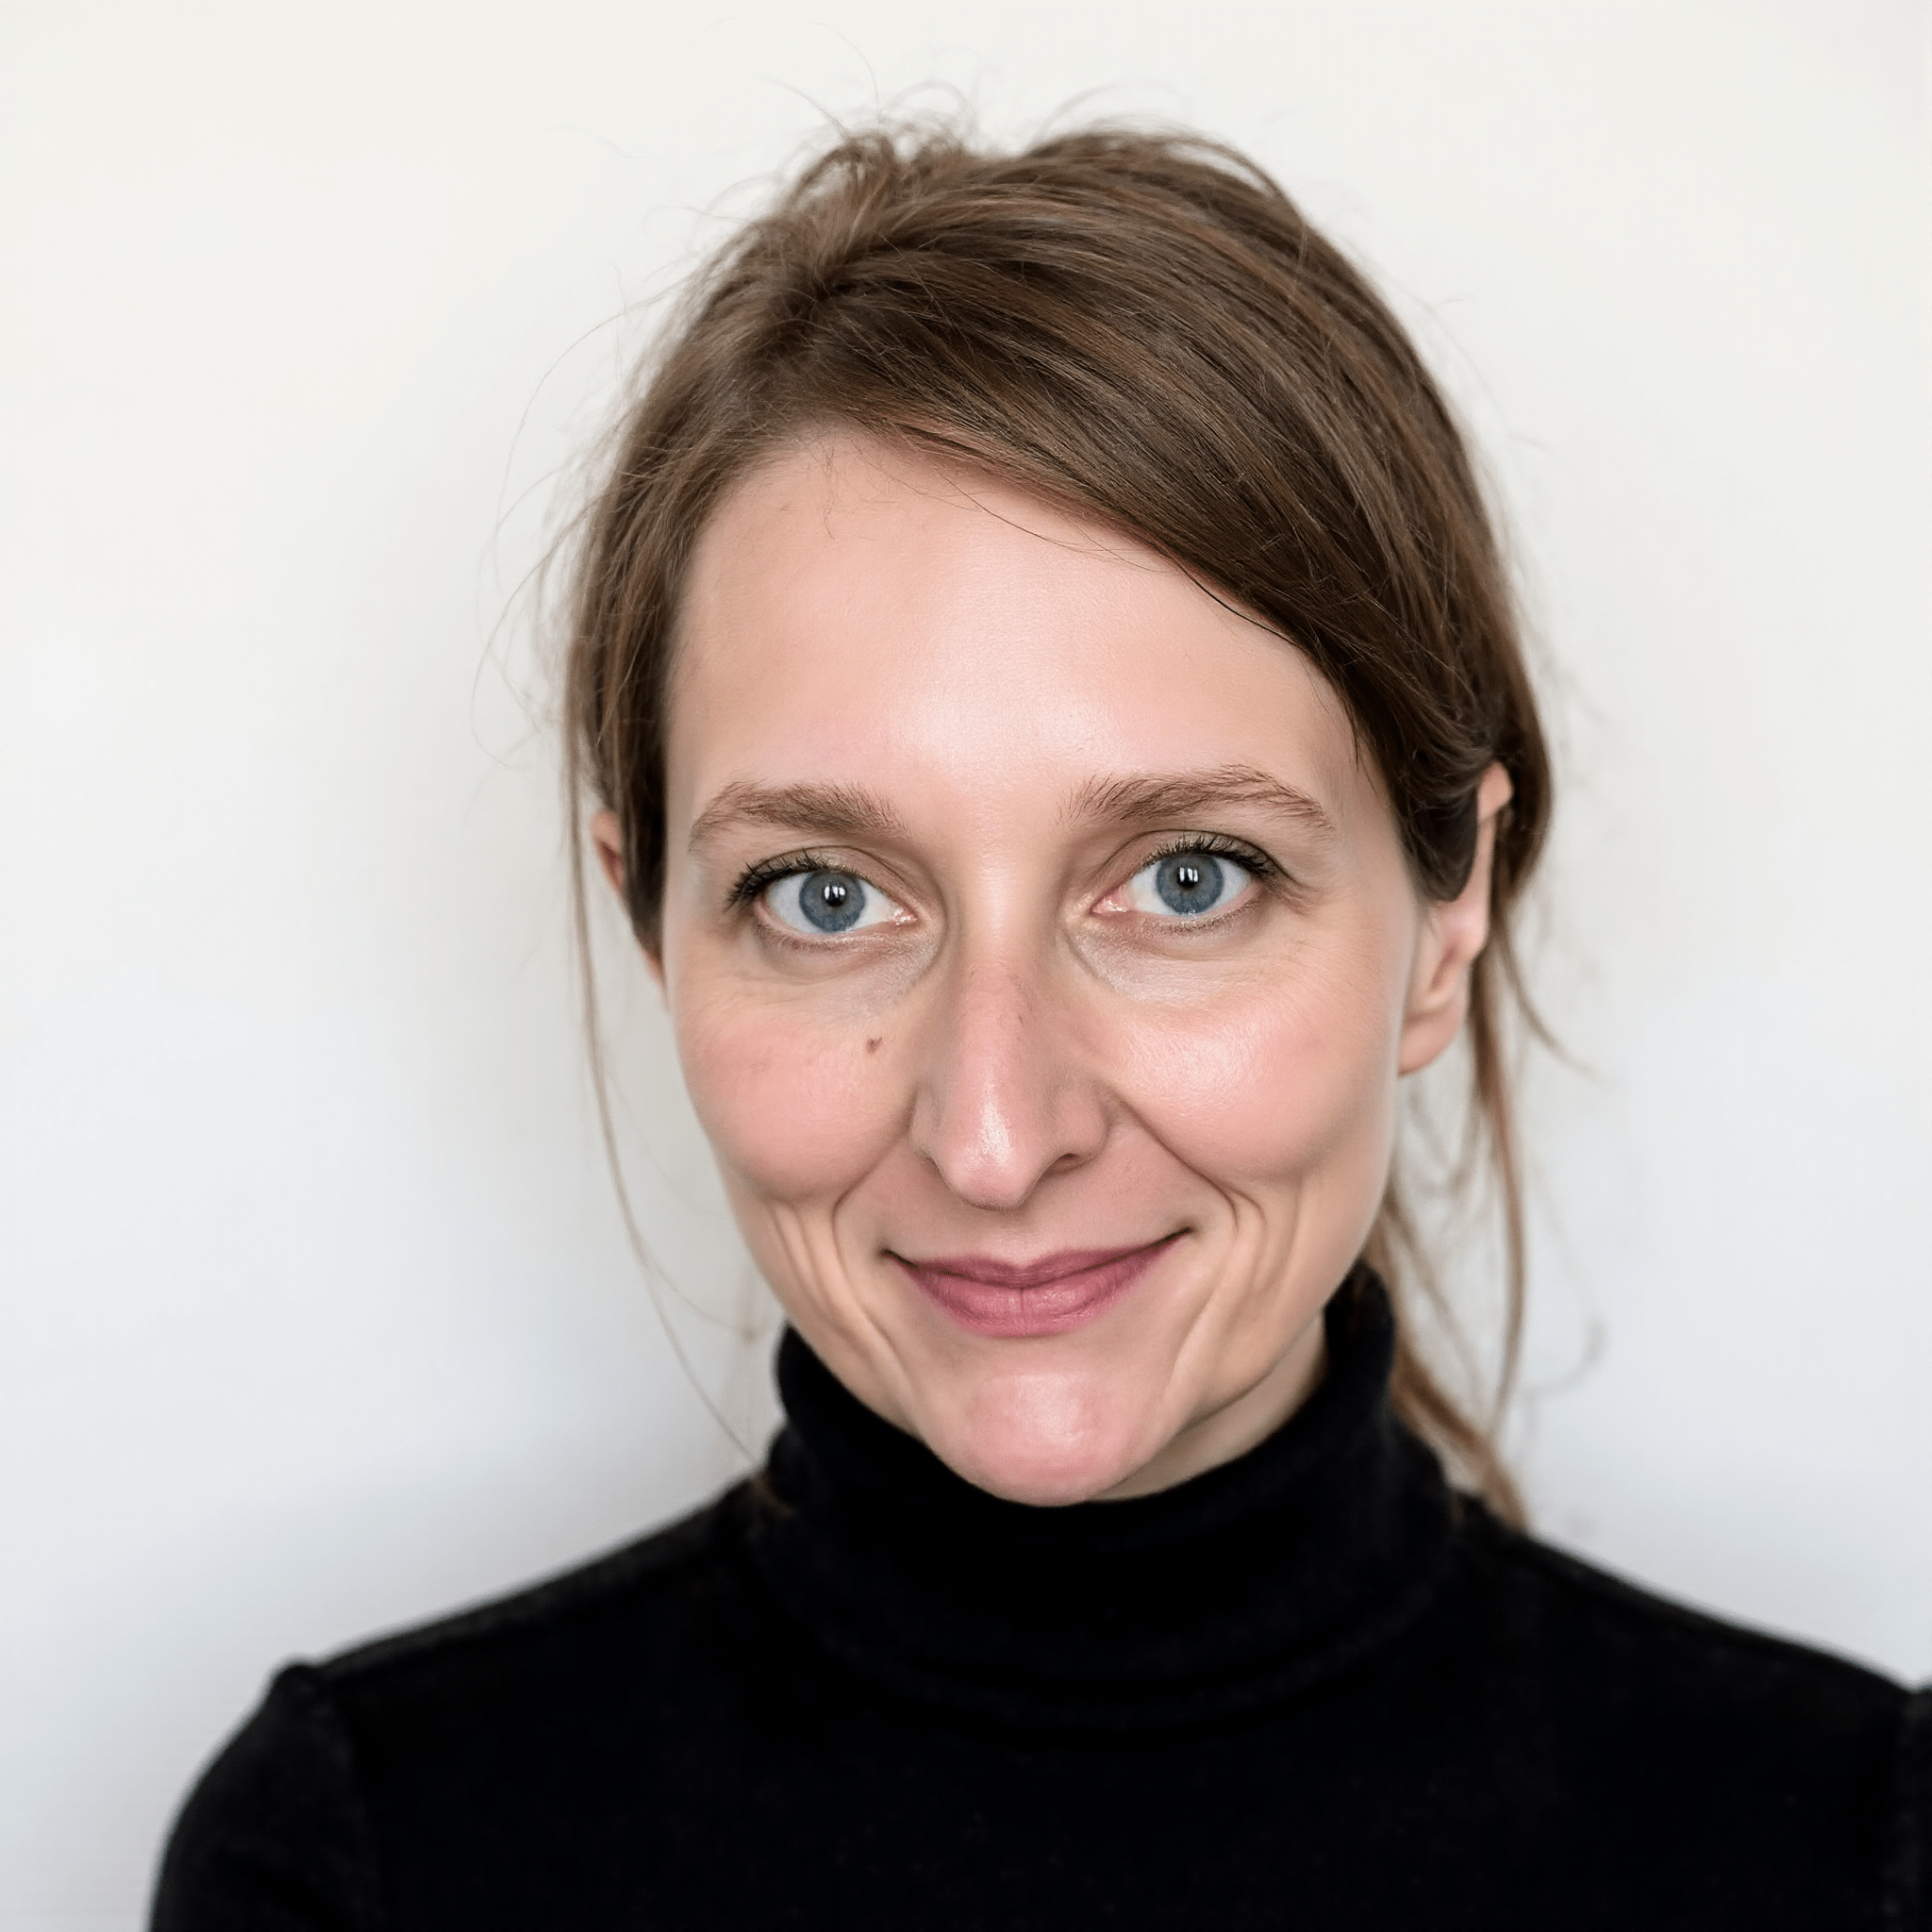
x=1264, y=1572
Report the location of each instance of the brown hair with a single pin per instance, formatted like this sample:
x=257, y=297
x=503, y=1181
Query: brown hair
x=1142, y=327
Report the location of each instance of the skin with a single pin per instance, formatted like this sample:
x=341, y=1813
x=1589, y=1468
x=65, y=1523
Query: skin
x=995, y=716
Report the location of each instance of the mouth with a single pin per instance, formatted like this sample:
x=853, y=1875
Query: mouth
x=1043, y=1297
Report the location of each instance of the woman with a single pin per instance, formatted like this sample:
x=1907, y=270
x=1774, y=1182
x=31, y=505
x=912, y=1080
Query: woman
x=1053, y=712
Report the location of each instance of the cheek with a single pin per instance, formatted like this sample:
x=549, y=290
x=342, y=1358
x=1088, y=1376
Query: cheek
x=1294, y=1077
x=794, y=1112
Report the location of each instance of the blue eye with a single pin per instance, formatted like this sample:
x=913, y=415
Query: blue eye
x=1187, y=884
x=827, y=903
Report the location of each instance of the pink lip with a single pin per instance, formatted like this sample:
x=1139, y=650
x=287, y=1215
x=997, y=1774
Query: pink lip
x=1043, y=1297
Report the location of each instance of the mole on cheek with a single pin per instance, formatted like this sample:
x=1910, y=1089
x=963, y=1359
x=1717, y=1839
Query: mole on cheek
x=872, y=1045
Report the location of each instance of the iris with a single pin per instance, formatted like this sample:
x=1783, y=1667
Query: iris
x=1189, y=881
x=832, y=901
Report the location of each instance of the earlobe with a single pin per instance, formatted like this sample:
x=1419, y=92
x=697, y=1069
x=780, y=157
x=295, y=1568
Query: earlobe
x=1454, y=932
x=607, y=837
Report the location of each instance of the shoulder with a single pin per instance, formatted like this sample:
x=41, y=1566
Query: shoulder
x=1546, y=1598
x=288, y=1825
x=1728, y=1747
x=276, y=1834
x=627, y=1641
x=643, y=1589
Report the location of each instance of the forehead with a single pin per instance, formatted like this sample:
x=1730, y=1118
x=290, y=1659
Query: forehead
x=862, y=615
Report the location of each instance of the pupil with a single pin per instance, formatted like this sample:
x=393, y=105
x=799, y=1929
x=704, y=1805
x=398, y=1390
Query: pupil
x=832, y=901
x=1188, y=883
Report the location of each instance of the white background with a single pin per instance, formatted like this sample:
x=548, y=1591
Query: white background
x=318, y=1314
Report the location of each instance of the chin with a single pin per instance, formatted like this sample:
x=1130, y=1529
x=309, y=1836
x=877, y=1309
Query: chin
x=1039, y=1437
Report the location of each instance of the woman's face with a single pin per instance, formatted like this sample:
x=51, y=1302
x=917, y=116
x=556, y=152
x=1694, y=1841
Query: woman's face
x=1043, y=961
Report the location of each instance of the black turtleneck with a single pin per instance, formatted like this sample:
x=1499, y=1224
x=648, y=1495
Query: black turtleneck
x=1313, y=1688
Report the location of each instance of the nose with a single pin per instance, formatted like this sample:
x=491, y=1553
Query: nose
x=1004, y=1097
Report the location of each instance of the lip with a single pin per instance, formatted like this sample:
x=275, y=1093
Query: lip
x=1043, y=1297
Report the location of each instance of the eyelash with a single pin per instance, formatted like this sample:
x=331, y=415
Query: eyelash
x=767, y=871
x=1250, y=857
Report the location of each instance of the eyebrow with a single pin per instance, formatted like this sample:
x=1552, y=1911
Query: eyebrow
x=850, y=812
x=826, y=811
x=1164, y=797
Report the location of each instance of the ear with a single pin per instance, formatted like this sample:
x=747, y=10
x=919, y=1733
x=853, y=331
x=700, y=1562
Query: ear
x=607, y=837
x=1453, y=932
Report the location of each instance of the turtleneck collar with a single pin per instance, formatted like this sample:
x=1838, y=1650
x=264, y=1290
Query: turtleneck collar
x=1246, y=1584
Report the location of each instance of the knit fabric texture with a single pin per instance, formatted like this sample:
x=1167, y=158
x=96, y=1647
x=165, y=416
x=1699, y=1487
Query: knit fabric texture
x=1314, y=1688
